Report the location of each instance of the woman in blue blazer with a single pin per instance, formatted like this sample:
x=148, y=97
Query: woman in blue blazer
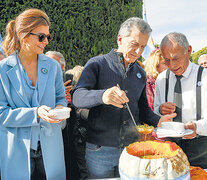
x=30, y=85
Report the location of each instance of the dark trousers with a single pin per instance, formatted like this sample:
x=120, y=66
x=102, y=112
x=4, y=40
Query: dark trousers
x=195, y=149
x=74, y=152
x=37, y=166
x=70, y=158
x=80, y=151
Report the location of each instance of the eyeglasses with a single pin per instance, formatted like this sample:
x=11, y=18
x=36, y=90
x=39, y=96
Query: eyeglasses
x=42, y=36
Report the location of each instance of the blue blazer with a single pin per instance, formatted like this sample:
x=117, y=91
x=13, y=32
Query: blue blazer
x=17, y=117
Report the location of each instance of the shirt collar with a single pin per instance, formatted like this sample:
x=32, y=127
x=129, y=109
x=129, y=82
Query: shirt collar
x=187, y=71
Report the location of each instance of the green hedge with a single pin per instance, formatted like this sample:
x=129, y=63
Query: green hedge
x=81, y=28
x=197, y=54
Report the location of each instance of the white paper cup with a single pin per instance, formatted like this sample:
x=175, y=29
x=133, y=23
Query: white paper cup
x=61, y=113
x=175, y=126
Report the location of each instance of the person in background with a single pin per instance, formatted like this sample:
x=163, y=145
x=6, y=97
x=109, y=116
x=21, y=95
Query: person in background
x=58, y=57
x=76, y=72
x=154, y=65
x=31, y=145
x=183, y=91
x=76, y=133
x=202, y=60
x=106, y=84
x=1, y=56
x=61, y=60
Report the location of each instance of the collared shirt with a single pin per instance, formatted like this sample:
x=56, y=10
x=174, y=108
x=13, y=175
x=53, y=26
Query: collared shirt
x=188, y=83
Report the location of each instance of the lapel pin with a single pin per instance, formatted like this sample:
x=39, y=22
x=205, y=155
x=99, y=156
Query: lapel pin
x=44, y=71
x=139, y=75
x=199, y=83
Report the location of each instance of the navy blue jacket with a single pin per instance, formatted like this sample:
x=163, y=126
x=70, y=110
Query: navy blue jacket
x=109, y=125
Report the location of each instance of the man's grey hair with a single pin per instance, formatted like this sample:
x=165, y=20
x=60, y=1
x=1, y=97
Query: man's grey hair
x=179, y=38
x=202, y=56
x=62, y=59
x=140, y=24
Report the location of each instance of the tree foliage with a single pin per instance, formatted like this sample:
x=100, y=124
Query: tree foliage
x=81, y=28
x=196, y=55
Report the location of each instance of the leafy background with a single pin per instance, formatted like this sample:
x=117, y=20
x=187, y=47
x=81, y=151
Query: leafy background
x=81, y=28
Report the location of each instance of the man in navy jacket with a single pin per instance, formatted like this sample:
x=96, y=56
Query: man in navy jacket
x=110, y=125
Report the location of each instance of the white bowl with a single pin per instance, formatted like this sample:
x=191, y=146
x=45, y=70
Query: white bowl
x=175, y=126
x=61, y=113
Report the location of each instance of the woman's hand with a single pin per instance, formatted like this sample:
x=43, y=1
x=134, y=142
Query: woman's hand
x=43, y=113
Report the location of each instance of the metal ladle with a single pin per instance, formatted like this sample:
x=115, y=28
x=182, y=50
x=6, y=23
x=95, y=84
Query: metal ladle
x=130, y=113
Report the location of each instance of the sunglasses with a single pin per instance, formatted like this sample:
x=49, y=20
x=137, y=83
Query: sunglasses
x=42, y=36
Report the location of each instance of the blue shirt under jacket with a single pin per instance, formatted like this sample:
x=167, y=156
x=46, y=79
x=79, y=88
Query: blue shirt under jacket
x=31, y=93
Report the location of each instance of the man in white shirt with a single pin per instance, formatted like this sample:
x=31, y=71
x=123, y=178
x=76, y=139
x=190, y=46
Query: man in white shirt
x=176, y=52
x=202, y=61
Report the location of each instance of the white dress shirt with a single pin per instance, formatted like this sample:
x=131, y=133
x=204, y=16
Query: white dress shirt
x=188, y=83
